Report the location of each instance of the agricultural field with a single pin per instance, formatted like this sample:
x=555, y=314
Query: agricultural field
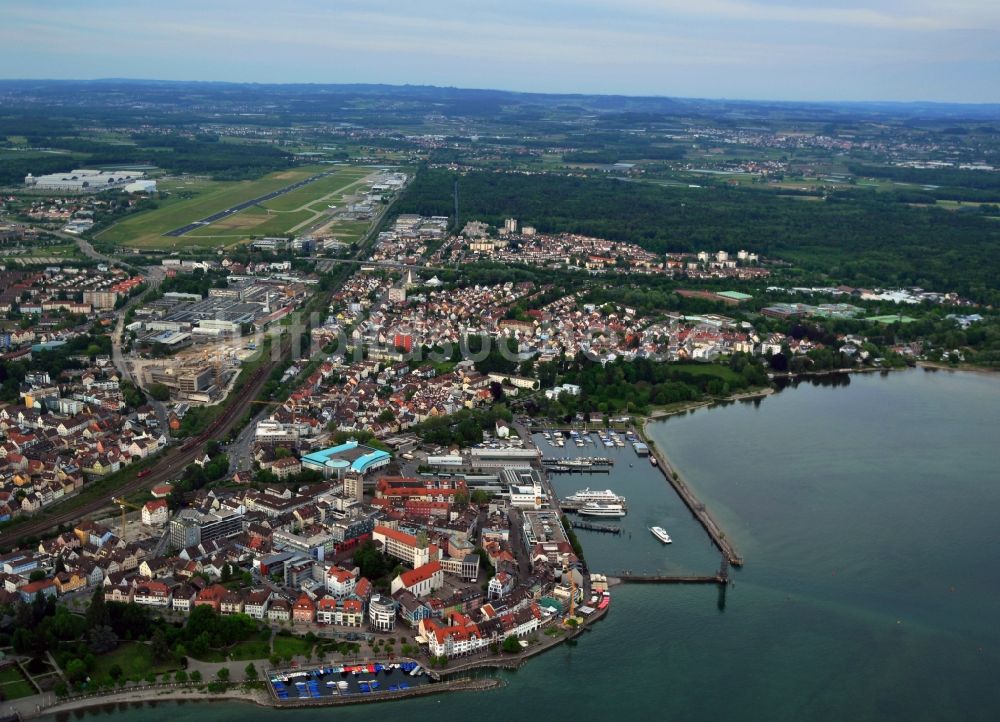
x=189, y=199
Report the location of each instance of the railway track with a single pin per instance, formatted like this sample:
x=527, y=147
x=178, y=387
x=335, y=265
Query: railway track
x=168, y=464
x=172, y=462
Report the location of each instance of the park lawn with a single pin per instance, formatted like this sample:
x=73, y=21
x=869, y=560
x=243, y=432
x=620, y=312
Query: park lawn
x=146, y=229
x=135, y=659
x=213, y=656
x=290, y=646
x=250, y=649
x=11, y=674
x=14, y=685
x=707, y=369
x=17, y=689
x=67, y=249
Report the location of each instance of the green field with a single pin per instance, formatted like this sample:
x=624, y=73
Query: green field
x=707, y=369
x=288, y=213
x=14, y=685
x=189, y=200
x=891, y=318
x=290, y=646
x=135, y=660
x=349, y=231
x=250, y=649
x=317, y=191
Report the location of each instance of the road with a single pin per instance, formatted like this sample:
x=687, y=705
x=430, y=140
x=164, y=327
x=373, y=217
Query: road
x=379, y=264
x=169, y=463
x=154, y=277
x=172, y=461
x=239, y=450
x=244, y=205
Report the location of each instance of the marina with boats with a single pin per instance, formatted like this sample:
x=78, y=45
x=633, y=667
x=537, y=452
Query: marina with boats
x=357, y=679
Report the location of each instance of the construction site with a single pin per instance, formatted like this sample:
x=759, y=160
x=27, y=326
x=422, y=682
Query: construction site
x=198, y=375
x=195, y=346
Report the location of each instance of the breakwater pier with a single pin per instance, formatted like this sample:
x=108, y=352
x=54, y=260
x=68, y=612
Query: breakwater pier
x=697, y=508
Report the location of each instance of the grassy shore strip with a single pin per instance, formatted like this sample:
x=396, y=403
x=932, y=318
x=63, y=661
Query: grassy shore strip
x=970, y=368
x=152, y=694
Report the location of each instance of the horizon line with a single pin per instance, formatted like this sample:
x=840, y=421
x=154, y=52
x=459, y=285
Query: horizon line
x=509, y=91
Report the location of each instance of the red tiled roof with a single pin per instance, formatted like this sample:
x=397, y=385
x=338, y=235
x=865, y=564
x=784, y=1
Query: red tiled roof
x=420, y=574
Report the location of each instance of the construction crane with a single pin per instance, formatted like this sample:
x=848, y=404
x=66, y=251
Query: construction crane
x=123, y=504
x=215, y=360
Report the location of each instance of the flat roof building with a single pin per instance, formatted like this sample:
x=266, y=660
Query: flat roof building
x=350, y=456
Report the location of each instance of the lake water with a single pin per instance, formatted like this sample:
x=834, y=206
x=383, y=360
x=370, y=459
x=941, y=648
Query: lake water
x=867, y=516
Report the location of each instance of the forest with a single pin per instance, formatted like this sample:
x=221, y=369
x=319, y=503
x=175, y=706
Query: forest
x=200, y=154
x=638, y=385
x=857, y=237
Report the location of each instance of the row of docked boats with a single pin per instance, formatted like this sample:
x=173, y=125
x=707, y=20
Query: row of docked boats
x=605, y=502
x=608, y=439
x=598, y=502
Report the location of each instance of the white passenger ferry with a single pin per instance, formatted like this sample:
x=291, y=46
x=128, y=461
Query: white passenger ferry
x=660, y=533
x=595, y=509
x=602, y=496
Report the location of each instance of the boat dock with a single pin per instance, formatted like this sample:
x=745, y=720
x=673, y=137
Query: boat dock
x=667, y=579
x=697, y=508
x=560, y=469
x=596, y=527
x=574, y=506
x=580, y=462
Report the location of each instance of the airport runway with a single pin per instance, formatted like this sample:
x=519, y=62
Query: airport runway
x=244, y=205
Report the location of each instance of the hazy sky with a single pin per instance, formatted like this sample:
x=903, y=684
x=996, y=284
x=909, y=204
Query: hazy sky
x=945, y=50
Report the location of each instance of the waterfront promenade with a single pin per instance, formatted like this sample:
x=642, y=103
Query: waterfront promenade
x=449, y=679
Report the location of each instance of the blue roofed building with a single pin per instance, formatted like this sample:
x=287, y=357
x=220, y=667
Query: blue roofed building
x=348, y=457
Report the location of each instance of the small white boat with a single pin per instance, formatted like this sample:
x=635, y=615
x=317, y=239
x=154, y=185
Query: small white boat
x=660, y=533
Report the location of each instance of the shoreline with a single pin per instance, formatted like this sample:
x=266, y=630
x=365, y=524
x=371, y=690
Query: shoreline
x=970, y=368
x=139, y=697
x=152, y=695
x=685, y=407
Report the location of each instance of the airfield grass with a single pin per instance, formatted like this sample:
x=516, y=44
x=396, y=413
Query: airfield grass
x=318, y=189
x=286, y=214
x=191, y=199
x=349, y=231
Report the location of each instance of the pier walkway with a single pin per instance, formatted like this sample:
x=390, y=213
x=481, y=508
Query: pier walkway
x=697, y=508
x=667, y=579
